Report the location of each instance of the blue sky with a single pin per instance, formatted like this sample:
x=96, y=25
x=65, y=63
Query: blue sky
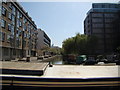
x=60, y=20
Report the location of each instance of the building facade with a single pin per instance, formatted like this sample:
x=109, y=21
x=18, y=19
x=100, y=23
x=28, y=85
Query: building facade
x=102, y=22
x=18, y=34
x=43, y=41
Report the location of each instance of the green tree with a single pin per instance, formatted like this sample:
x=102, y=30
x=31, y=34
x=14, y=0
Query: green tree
x=80, y=44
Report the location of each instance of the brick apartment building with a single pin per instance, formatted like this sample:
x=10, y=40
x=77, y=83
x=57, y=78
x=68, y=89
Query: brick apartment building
x=103, y=21
x=18, y=33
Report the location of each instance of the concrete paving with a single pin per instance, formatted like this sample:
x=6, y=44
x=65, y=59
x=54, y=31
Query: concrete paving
x=23, y=68
x=61, y=71
x=80, y=71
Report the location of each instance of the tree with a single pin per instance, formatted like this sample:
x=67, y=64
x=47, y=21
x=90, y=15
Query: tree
x=80, y=44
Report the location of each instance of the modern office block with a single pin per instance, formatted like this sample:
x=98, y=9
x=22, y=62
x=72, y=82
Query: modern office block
x=43, y=40
x=103, y=21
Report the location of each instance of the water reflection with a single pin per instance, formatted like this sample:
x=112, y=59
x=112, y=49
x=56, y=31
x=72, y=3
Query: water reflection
x=58, y=60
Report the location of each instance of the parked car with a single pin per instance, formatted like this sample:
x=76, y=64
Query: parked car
x=81, y=59
x=40, y=57
x=90, y=61
x=117, y=62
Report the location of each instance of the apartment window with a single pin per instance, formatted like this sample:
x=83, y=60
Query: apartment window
x=0, y=36
x=12, y=29
x=25, y=27
x=19, y=32
x=24, y=20
x=8, y=37
x=3, y=36
x=9, y=15
x=20, y=23
x=25, y=35
x=28, y=36
x=18, y=14
x=24, y=43
x=9, y=27
x=13, y=19
x=10, y=5
x=13, y=10
x=17, y=40
x=17, y=22
x=4, y=11
x=3, y=23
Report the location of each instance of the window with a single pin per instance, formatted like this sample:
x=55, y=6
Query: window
x=97, y=15
x=18, y=14
x=0, y=36
x=25, y=27
x=8, y=37
x=3, y=36
x=25, y=35
x=3, y=11
x=9, y=27
x=97, y=5
x=3, y=23
x=10, y=5
x=17, y=22
x=109, y=15
x=20, y=24
x=12, y=30
x=17, y=40
x=97, y=25
x=108, y=25
x=24, y=20
x=95, y=20
x=98, y=31
x=13, y=19
x=24, y=43
x=9, y=15
x=13, y=10
x=19, y=32
x=108, y=20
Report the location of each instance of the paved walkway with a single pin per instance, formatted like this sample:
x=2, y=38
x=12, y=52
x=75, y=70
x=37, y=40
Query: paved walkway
x=79, y=71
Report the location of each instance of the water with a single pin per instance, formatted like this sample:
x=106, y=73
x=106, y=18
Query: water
x=58, y=60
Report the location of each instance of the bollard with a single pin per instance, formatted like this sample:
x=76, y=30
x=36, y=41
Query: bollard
x=28, y=59
x=50, y=65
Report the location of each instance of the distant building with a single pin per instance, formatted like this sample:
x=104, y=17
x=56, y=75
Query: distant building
x=18, y=32
x=103, y=21
x=43, y=40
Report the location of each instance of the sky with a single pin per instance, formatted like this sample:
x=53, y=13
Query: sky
x=60, y=20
